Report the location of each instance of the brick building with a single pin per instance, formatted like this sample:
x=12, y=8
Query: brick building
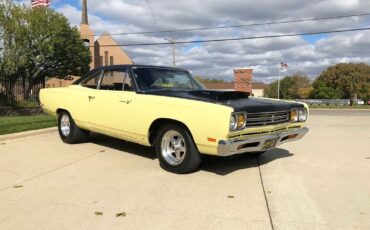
x=55, y=82
x=242, y=82
x=104, y=50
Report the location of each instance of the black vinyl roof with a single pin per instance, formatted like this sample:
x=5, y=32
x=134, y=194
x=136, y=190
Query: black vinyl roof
x=134, y=65
x=112, y=67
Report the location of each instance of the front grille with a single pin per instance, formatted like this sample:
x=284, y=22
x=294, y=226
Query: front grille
x=259, y=119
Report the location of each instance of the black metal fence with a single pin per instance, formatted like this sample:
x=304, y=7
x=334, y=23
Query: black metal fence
x=13, y=92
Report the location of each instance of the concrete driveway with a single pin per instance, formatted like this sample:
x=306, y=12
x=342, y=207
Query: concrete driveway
x=320, y=182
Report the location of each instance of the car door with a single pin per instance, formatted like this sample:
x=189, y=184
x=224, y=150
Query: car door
x=83, y=112
x=113, y=104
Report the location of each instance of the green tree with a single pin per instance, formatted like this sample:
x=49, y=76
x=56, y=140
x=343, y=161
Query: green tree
x=322, y=91
x=297, y=86
x=344, y=81
x=38, y=43
x=272, y=90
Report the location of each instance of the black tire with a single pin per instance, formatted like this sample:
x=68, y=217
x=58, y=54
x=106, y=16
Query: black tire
x=169, y=161
x=75, y=134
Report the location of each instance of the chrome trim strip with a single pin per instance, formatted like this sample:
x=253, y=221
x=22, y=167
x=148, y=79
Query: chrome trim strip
x=267, y=118
x=267, y=122
x=232, y=146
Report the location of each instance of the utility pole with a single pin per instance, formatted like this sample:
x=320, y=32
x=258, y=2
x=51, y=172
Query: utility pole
x=278, y=89
x=173, y=54
x=173, y=51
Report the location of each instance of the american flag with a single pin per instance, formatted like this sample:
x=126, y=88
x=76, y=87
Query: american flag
x=283, y=66
x=37, y=3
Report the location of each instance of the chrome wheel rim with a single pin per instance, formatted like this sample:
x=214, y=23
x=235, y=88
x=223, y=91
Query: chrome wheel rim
x=65, y=125
x=173, y=148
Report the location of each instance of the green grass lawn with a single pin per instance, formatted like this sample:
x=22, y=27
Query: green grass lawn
x=10, y=125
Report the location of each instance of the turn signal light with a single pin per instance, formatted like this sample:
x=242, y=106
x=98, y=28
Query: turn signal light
x=294, y=115
x=241, y=120
x=298, y=115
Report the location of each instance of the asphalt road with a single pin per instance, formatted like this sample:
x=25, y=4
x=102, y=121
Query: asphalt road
x=320, y=182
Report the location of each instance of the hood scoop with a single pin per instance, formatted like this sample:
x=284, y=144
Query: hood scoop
x=220, y=95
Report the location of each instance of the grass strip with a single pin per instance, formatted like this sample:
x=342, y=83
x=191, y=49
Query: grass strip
x=9, y=125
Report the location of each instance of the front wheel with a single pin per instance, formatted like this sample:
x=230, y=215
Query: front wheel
x=68, y=130
x=176, y=150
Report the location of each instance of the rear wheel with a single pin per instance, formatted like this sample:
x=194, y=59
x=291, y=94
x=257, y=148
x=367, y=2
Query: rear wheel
x=176, y=150
x=68, y=130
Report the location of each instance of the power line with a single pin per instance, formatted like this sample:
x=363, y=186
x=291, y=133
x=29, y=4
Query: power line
x=242, y=38
x=170, y=40
x=237, y=26
x=238, y=38
x=152, y=12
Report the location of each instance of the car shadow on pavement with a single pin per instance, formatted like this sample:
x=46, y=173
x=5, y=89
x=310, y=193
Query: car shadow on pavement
x=123, y=146
x=218, y=165
x=226, y=165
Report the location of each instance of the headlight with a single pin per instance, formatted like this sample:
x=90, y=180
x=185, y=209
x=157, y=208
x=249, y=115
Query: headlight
x=238, y=121
x=302, y=115
x=233, y=124
x=298, y=115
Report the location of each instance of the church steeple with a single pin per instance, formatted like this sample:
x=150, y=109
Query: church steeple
x=87, y=35
x=85, y=19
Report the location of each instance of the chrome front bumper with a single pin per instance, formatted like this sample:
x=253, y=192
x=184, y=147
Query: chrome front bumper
x=259, y=142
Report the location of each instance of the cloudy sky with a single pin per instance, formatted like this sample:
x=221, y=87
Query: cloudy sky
x=306, y=54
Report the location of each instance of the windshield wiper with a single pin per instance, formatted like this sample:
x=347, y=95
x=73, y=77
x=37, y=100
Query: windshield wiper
x=166, y=90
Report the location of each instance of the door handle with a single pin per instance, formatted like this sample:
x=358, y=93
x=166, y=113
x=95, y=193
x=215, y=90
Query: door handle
x=126, y=101
x=91, y=97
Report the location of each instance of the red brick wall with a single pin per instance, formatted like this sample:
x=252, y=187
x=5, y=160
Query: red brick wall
x=243, y=79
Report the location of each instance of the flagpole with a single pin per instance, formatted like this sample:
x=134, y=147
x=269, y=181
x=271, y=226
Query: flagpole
x=278, y=92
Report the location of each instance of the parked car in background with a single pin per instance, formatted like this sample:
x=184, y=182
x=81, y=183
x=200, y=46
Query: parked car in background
x=168, y=109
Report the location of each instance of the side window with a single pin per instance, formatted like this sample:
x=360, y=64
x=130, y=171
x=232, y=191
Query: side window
x=92, y=81
x=127, y=86
x=113, y=80
x=116, y=80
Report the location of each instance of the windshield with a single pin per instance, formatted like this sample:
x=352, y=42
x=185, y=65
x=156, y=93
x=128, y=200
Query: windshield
x=149, y=79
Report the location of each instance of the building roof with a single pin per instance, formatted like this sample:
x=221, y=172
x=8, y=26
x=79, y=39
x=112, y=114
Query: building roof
x=258, y=85
x=219, y=85
x=107, y=43
x=230, y=85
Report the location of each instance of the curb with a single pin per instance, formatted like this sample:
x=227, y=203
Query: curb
x=336, y=110
x=27, y=133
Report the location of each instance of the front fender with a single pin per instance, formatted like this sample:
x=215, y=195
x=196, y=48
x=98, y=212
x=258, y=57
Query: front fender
x=207, y=122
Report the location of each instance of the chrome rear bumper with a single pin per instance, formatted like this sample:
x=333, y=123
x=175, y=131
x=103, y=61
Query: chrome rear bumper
x=260, y=142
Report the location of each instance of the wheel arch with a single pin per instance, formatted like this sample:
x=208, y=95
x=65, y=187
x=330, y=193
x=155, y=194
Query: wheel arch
x=156, y=124
x=59, y=110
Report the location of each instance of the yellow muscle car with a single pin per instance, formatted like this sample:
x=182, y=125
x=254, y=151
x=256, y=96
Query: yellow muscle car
x=168, y=109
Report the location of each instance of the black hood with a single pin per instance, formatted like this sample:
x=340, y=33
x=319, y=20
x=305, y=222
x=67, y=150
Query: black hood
x=239, y=101
x=217, y=95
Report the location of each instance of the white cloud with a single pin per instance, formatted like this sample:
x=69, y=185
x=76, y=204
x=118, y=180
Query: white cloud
x=218, y=59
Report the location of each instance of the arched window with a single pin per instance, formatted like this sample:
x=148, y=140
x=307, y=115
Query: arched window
x=86, y=42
